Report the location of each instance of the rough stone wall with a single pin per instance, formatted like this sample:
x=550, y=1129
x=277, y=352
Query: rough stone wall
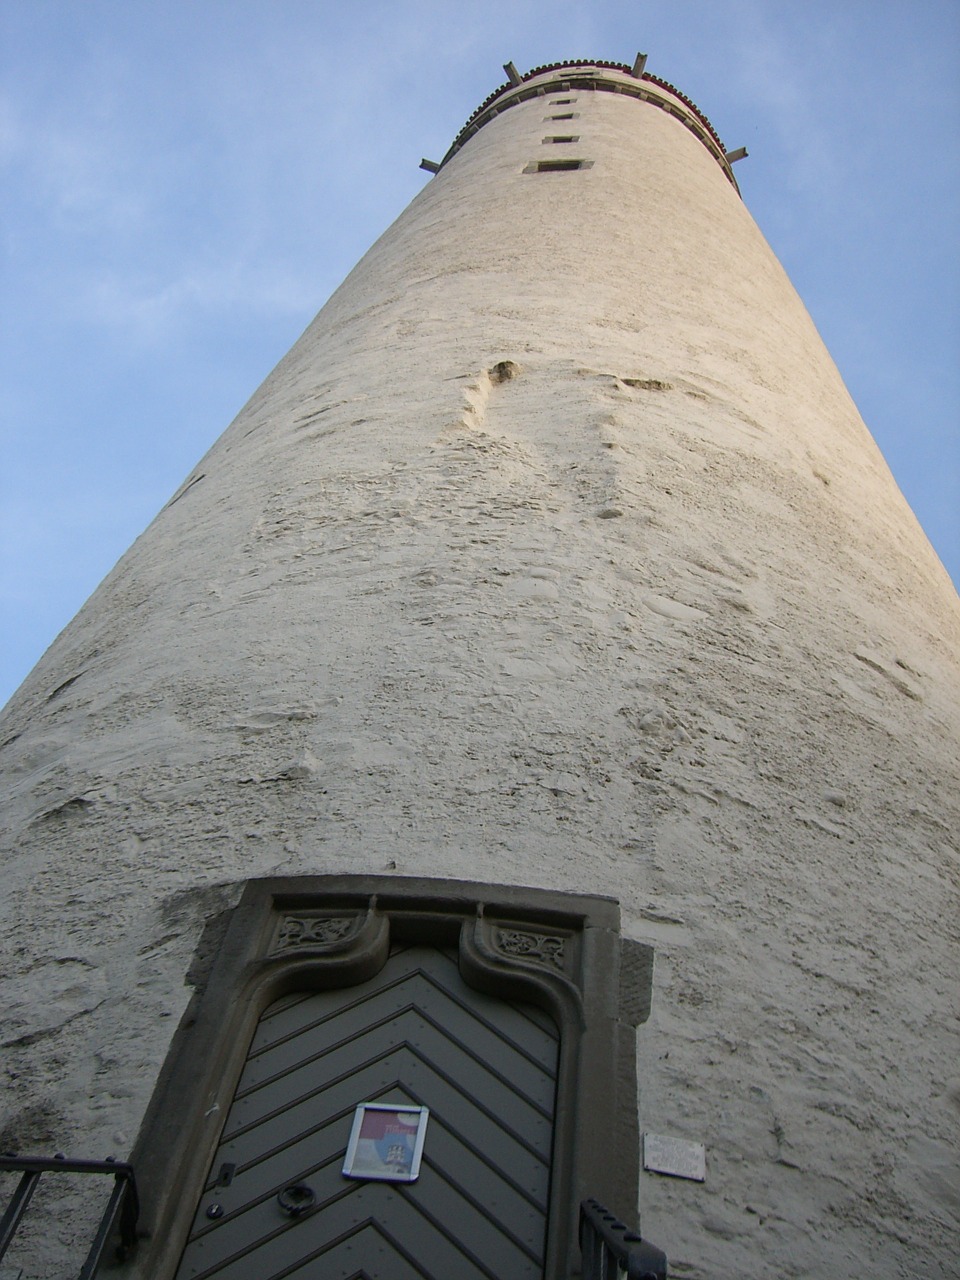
x=553, y=553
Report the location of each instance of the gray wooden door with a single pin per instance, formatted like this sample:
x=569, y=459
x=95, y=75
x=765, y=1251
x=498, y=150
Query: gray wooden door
x=416, y=1033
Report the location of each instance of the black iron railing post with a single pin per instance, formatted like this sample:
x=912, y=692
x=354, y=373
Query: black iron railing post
x=17, y=1208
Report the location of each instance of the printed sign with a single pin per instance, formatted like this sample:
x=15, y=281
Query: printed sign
x=674, y=1156
x=386, y=1142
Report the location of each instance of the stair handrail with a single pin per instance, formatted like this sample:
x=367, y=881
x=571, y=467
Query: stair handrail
x=611, y=1251
x=121, y=1213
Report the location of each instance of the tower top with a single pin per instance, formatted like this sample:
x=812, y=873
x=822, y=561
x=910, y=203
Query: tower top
x=600, y=76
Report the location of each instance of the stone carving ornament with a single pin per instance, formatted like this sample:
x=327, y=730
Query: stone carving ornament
x=313, y=931
x=541, y=948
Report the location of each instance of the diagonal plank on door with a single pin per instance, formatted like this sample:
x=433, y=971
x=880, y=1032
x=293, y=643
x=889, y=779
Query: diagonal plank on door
x=415, y=1033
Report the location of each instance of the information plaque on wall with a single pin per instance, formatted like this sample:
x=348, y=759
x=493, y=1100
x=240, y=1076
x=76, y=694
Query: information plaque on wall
x=386, y=1142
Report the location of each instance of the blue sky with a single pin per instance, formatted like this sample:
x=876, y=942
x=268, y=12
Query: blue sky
x=185, y=183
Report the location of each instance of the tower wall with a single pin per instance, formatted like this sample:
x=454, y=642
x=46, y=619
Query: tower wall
x=554, y=553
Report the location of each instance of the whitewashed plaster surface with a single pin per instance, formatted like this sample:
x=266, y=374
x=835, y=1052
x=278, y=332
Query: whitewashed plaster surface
x=554, y=553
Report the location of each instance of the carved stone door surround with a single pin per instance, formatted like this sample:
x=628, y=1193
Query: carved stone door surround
x=560, y=952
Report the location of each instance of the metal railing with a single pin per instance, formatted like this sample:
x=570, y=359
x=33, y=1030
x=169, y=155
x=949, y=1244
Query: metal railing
x=120, y=1215
x=611, y=1251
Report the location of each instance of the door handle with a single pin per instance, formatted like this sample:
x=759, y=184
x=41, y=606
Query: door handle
x=296, y=1199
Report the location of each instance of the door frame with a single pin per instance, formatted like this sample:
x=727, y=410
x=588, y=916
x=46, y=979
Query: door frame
x=561, y=952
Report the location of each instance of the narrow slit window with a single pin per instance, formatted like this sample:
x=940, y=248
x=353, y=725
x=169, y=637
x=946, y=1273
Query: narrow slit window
x=557, y=166
x=562, y=102
x=562, y=137
x=564, y=115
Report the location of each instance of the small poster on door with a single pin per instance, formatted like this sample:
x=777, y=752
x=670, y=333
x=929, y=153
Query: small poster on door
x=386, y=1142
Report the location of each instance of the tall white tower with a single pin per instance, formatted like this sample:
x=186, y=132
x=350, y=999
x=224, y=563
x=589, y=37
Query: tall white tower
x=554, y=556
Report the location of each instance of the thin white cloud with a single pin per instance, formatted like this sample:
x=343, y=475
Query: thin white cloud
x=68, y=173
x=787, y=83
x=152, y=309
